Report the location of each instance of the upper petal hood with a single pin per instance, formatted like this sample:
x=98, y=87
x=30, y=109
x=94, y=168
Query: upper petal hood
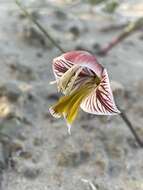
x=82, y=58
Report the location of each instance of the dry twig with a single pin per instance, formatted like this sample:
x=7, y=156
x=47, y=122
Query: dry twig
x=127, y=31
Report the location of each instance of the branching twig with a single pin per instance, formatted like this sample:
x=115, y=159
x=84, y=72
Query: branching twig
x=39, y=25
x=128, y=30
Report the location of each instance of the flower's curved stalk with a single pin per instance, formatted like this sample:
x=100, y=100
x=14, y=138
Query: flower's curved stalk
x=128, y=30
x=41, y=28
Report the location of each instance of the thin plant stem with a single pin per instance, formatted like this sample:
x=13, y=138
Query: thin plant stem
x=41, y=28
x=130, y=126
x=128, y=30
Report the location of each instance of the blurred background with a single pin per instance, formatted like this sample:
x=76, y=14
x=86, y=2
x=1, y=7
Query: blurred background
x=36, y=152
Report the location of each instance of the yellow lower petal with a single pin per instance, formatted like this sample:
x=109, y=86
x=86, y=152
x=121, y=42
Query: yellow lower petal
x=68, y=106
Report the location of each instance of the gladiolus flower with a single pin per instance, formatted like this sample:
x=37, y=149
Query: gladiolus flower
x=84, y=83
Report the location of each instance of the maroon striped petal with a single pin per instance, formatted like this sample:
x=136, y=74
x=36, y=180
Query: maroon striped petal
x=100, y=101
x=60, y=66
x=89, y=63
x=64, y=62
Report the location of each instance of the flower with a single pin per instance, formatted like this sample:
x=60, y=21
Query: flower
x=84, y=83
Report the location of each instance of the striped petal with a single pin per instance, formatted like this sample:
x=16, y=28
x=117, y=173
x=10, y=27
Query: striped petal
x=64, y=62
x=89, y=62
x=67, y=61
x=100, y=101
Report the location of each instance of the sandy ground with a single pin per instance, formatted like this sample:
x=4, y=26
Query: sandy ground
x=100, y=149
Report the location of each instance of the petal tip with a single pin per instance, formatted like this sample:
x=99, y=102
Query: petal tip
x=53, y=113
x=118, y=111
x=69, y=128
x=68, y=124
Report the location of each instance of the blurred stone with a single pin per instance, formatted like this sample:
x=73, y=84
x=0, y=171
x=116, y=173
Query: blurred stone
x=21, y=136
x=22, y=72
x=31, y=171
x=16, y=147
x=25, y=154
x=39, y=54
x=88, y=128
x=58, y=26
x=11, y=127
x=10, y=90
x=75, y=31
x=9, y=148
x=72, y=159
x=114, y=151
x=36, y=157
x=76, y=28
x=60, y=14
x=100, y=166
x=114, y=168
x=31, y=96
x=132, y=143
x=96, y=47
x=37, y=141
